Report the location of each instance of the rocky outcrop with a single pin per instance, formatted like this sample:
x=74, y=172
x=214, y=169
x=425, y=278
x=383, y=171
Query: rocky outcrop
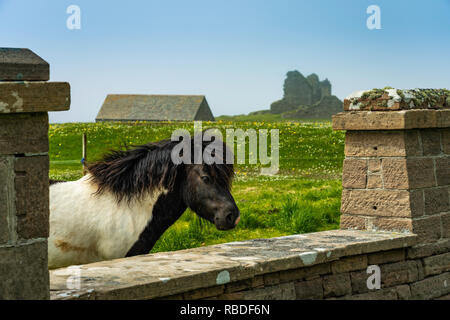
x=306, y=97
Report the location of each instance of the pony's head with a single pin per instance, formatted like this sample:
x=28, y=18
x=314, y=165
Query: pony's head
x=203, y=186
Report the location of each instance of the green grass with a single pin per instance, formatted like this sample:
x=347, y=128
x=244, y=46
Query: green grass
x=303, y=197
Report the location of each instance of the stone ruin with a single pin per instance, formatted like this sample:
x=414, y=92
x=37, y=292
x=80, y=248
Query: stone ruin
x=306, y=97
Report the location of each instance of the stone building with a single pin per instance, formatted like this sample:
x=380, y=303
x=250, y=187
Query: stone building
x=124, y=107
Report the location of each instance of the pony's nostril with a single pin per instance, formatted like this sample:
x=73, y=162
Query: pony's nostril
x=230, y=217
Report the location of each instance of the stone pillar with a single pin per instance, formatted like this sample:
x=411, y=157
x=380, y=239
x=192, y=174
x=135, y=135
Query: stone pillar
x=25, y=99
x=396, y=173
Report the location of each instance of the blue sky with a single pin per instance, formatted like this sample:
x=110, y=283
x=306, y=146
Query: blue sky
x=235, y=52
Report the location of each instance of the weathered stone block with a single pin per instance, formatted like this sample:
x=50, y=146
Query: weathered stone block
x=445, y=217
x=336, y=285
x=284, y=291
x=445, y=136
x=303, y=273
x=374, y=181
x=271, y=279
x=374, y=165
x=382, y=294
x=349, y=264
x=437, y=264
x=381, y=143
x=309, y=290
x=390, y=224
x=24, y=97
x=359, y=281
x=203, y=293
x=431, y=287
x=408, y=173
x=23, y=133
x=443, y=171
x=255, y=282
x=403, y=292
x=22, y=64
x=349, y=221
x=428, y=229
x=437, y=200
x=24, y=271
x=386, y=256
x=431, y=142
x=374, y=202
x=354, y=173
x=393, y=274
x=427, y=249
x=7, y=197
x=32, y=196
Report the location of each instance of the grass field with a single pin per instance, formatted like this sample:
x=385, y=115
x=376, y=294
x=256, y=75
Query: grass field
x=303, y=197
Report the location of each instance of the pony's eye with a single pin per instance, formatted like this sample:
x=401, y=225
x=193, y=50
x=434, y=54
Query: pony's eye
x=206, y=179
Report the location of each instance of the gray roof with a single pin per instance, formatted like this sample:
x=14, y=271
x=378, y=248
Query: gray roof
x=126, y=107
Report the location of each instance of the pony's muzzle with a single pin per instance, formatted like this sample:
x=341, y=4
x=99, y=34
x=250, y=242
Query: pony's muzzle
x=227, y=221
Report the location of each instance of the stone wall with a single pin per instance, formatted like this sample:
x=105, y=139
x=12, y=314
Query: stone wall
x=25, y=98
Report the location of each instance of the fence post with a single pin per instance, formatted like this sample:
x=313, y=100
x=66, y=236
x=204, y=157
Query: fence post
x=25, y=99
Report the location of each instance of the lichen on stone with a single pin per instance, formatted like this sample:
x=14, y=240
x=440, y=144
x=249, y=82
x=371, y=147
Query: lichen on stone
x=389, y=98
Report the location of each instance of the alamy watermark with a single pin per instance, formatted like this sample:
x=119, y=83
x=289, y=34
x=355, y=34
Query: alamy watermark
x=374, y=20
x=214, y=153
x=374, y=280
x=73, y=22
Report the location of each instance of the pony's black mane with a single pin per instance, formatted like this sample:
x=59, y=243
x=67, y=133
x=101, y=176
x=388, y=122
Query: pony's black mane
x=132, y=173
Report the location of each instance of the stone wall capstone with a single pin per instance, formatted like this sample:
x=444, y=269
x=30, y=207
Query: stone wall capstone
x=25, y=99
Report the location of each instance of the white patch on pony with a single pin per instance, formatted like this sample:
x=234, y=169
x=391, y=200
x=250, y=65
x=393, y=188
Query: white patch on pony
x=86, y=228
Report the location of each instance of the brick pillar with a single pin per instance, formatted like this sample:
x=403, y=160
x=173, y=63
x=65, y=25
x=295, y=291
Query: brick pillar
x=25, y=99
x=396, y=173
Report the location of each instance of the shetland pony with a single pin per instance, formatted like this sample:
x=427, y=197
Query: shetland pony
x=129, y=198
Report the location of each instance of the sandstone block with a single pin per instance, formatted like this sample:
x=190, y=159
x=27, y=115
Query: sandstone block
x=408, y=173
x=427, y=249
x=391, y=224
x=309, y=290
x=391, y=120
x=386, y=256
x=393, y=274
x=349, y=221
x=445, y=136
x=6, y=197
x=443, y=171
x=428, y=229
x=445, y=217
x=437, y=200
x=381, y=143
x=349, y=264
x=22, y=64
x=336, y=285
x=374, y=165
x=374, y=202
x=354, y=173
x=23, y=133
x=24, y=271
x=431, y=142
x=303, y=273
x=32, y=196
x=403, y=292
x=284, y=291
x=24, y=97
x=437, y=264
x=431, y=287
x=374, y=182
